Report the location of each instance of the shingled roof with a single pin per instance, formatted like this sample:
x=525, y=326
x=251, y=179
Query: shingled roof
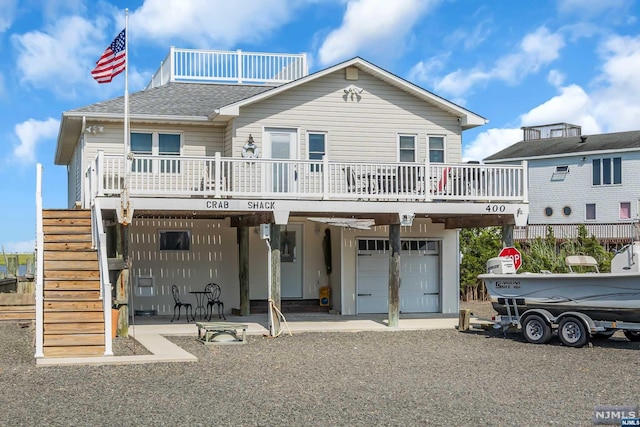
x=175, y=99
x=573, y=145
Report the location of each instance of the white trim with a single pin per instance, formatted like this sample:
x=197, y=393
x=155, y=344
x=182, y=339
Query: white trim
x=444, y=146
x=39, y=338
x=326, y=142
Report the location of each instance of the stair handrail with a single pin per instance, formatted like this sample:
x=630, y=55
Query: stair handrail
x=39, y=338
x=100, y=244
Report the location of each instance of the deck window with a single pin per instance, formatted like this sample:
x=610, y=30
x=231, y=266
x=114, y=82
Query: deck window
x=407, y=144
x=436, y=149
x=317, y=149
x=607, y=171
x=141, y=143
x=169, y=145
x=625, y=210
x=590, y=210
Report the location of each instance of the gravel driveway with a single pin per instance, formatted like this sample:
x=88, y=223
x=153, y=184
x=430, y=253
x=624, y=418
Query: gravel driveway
x=426, y=378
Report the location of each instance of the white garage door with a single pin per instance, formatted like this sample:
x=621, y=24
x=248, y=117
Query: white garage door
x=419, y=276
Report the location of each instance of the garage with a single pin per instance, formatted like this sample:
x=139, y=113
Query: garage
x=420, y=281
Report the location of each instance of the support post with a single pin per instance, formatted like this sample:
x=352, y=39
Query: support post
x=243, y=269
x=275, y=266
x=507, y=235
x=394, y=275
x=123, y=282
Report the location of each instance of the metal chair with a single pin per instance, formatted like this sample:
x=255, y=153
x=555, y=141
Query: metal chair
x=213, y=298
x=179, y=304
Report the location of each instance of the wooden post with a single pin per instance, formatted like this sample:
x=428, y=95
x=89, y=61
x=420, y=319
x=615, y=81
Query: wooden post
x=507, y=235
x=275, y=265
x=464, y=320
x=394, y=275
x=123, y=282
x=243, y=269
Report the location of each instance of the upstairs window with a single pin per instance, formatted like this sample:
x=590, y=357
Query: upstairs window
x=607, y=171
x=436, y=149
x=155, y=144
x=625, y=210
x=175, y=240
x=590, y=211
x=407, y=147
x=317, y=149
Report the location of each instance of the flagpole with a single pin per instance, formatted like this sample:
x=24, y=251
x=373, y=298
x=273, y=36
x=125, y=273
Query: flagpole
x=125, y=202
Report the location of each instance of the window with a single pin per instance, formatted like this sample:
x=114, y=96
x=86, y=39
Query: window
x=175, y=240
x=548, y=211
x=154, y=143
x=436, y=149
x=607, y=171
x=625, y=210
x=562, y=169
x=566, y=211
x=407, y=145
x=317, y=149
x=590, y=210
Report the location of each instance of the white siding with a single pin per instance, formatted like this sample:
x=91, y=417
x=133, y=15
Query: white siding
x=574, y=190
x=363, y=127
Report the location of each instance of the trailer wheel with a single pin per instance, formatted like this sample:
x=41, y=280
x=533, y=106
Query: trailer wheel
x=572, y=332
x=536, y=330
x=632, y=335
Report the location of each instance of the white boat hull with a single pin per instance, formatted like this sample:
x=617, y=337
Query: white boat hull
x=602, y=296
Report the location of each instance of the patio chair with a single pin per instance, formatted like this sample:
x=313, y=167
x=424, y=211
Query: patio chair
x=212, y=291
x=179, y=304
x=354, y=182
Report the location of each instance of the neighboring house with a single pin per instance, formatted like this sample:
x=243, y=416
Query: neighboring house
x=344, y=164
x=578, y=179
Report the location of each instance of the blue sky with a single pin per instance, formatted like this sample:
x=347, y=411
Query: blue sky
x=517, y=63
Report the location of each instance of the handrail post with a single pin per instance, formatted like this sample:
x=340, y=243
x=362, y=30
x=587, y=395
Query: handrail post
x=525, y=181
x=217, y=185
x=39, y=338
x=427, y=179
x=240, y=70
x=172, y=64
x=326, y=172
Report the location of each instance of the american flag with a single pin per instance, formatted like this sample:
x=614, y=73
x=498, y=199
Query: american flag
x=112, y=61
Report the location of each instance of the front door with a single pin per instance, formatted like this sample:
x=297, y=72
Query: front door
x=291, y=261
x=280, y=143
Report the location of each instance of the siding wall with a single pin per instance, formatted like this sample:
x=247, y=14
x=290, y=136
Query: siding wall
x=575, y=190
x=364, y=127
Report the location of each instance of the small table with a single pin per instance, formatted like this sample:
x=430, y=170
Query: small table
x=200, y=304
x=207, y=331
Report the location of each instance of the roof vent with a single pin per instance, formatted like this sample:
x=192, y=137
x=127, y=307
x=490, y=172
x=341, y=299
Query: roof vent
x=583, y=138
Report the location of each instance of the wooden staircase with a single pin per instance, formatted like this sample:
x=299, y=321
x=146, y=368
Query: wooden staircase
x=73, y=314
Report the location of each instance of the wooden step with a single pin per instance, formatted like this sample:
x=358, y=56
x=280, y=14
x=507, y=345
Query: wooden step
x=71, y=285
x=73, y=317
x=73, y=295
x=72, y=340
x=65, y=213
x=74, y=327
x=65, y=238
x=69, y=246
x=24, y=313
x=71, y=265
x=79, y=351
x=71, y=275
x=71, y=256
x=66, y=221
x=67, y=229
x=72, y=306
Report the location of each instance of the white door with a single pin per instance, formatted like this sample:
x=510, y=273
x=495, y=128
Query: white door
x=281, y=144
x=419, y=276
x=291, y=261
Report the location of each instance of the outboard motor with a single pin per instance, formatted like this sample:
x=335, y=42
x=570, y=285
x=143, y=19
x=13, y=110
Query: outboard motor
x=501, y=265
x=627, y=260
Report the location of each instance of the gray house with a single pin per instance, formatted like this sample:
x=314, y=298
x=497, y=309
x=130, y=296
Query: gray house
x=357, y=171
x=578, y=179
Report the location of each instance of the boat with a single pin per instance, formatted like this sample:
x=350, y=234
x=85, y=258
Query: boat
x=604, y=296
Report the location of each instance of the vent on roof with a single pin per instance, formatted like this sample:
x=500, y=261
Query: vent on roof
x=583, y=138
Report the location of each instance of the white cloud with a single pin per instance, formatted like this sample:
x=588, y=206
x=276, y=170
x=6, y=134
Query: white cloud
x=373, y=26
x=556, y=78
x=206, y=23
x=30, y=134
x=61, y=56
x=536, y=50
x=591, y=8
x=7, y=14
x=491, y=141
x=20, y=247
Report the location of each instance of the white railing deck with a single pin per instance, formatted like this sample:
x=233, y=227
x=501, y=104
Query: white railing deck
x=229, y=67
x=225, y=177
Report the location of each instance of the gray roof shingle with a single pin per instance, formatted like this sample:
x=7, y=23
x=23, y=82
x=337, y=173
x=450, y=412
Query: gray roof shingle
x=550, y=147
x=176, y=99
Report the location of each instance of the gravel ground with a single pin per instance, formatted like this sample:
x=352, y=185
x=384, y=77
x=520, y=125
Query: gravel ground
x=426, y=378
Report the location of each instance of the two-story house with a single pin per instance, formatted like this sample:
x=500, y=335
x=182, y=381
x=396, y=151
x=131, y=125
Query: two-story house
x=357, y=171
x=578, y=179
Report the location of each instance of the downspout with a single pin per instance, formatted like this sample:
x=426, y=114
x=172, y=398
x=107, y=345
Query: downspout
x=39, y=266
